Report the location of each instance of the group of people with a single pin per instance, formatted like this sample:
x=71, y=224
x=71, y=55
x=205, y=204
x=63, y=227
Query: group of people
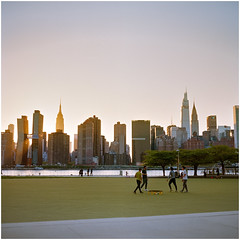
x=81, y=172
x=141, y=177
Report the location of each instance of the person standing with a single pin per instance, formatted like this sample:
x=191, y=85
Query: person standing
x=144, y=177
x=138, y=177
x=184, y=179
x=88, y=171
x=172, y=179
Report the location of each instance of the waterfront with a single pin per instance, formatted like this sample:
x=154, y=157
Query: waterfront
x=96, y=173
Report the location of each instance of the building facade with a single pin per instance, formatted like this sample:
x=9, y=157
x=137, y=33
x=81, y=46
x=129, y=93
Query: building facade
x=194, y=122
x=7, y=148
x=58, y=148
x=193, y=143
x=22, y=142
x=236, y=125
x=89, y=141
x=140, y=140
x=120, y=137
x=37, y=138
x=156, y=132
x=185, y=122
x=212, y=126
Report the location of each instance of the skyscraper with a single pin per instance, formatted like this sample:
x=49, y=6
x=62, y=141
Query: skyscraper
x=236, y=125
x=120, y=137
x=194, y=122
x=11, y=129
x=185, y=122
x=89, y=141
x=22, y=142
x=58, y=148
x=37, y=137
x=7, y=148
x=140, y=140
x=60, y=120
x=156, y=132
x=212, y=126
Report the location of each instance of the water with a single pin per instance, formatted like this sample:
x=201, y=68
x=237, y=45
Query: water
x=97, y=173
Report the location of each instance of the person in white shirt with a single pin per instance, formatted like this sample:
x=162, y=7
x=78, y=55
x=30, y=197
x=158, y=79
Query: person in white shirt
x=184, y=179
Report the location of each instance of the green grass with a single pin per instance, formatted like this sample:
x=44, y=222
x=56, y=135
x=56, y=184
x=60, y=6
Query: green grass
x=47, y=199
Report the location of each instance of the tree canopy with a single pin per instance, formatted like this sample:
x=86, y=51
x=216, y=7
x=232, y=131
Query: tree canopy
x=160, y=158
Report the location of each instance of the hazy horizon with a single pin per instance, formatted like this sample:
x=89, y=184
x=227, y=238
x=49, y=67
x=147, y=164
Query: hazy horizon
x=120, y=61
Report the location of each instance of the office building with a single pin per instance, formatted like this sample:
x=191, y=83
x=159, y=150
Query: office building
x=223, y=132
x=185, y=122
x=60, y=120
x=169, y=129
x=75, y=142
x=7, y=148
x=140, y=140
x=22, y=142
x=89, y=141
x=11, y=129
x=193, y=144
x=37, y=138
x=156, y=132
x=120, y=137
x=166, y=143
x=58, y=148
x=236, y=125
x=194, y=122
x=212, y=126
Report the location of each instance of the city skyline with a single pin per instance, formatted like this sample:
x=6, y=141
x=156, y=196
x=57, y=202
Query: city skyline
x=120, y=61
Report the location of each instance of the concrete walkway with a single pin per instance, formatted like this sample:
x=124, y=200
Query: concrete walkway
x=200, y=225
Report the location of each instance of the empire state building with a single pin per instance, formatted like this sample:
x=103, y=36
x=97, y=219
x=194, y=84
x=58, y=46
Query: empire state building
x=185, y=122
x=60, y=120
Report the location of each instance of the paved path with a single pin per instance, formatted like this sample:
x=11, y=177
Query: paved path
x=200, y=225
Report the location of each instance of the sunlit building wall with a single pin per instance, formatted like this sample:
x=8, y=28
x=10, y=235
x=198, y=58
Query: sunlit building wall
x=89, y=141
x=37, y=138
x=7, y=148
x=22, y=142
x=60, y=120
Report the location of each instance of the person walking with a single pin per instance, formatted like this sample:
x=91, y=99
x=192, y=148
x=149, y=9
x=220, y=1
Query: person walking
x=184, y=179
x=144, y=177
x=172, y=177
x=138, y=177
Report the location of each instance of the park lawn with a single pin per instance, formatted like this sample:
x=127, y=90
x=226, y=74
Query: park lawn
x=49, y=199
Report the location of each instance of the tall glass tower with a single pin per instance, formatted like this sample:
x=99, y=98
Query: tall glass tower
x=185, y=122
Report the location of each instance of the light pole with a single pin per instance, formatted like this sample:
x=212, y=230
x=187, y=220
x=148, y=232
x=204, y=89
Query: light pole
x=178, y=161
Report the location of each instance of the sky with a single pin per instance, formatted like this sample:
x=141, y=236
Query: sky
x=120, y=61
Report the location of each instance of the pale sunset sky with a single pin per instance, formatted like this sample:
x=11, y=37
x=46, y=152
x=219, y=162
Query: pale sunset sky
x=120, y=61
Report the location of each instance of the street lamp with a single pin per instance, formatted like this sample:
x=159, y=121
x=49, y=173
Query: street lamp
x=178, y=161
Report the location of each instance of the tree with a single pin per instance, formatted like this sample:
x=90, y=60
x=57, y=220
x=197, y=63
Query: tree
x=194, y=158
x=160, y=158
x=222, y=154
